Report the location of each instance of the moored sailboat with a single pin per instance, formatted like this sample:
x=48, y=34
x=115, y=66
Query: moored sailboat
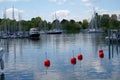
x=95, y=26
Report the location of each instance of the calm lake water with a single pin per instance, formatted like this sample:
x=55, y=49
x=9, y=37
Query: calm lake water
x=24, y=58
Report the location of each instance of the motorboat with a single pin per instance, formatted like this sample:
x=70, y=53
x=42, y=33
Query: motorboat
x=34, y=33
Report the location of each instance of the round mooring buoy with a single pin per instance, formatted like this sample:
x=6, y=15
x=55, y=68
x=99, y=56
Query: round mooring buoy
x=47, y=63
x=80, y=57
x=73, y=60
x=101, y=53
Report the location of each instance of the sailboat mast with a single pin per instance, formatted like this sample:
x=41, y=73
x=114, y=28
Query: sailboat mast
x=13, y=17
x=95, y=19
x=5, y=25
x=55, y=21
x=57, y=26
x=19, y=16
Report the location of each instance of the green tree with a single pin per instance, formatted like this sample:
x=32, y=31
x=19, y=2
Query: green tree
x=49, y=25
x=114, y=24
x=105, y=19
x=36, y=21
x=71, y=26
x=85, y=24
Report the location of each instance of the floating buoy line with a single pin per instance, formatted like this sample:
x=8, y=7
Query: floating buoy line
x=73, y=59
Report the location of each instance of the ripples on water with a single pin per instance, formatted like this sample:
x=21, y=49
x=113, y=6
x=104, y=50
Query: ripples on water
x=23, y=58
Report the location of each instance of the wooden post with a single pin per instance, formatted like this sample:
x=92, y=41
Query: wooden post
x=109, y=44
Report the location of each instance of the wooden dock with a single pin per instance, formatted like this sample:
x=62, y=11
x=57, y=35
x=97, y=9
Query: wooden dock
x=113, y=36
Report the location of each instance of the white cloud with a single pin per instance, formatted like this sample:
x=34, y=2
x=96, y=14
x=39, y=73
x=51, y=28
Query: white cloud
x=61, y=14
x=85, y=0
x=89, y=0
x=59, y=1
x=66, y=14
x=16, y=13
x=8, y=0
x=12, y=0
x=98, y=10
x=10, y=10
x=89, y=4
x=117, y=12
x=101, y=11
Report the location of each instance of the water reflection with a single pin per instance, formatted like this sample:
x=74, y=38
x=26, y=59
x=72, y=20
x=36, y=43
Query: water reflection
x=2, y=76
x=1, y=64
x=113, y=49
x=24, y=58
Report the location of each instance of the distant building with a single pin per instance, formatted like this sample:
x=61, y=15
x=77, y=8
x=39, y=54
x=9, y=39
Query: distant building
x=114, y=17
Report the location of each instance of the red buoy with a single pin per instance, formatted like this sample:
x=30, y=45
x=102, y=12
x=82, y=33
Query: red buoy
x=73, y=60
x=80, y=57
x=101, y=53
x=47, y=63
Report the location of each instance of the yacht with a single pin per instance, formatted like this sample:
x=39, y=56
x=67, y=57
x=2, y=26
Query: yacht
x=34, y=33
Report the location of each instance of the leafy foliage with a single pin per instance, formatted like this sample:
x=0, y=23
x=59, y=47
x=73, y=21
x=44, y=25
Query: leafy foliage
x=69, y=26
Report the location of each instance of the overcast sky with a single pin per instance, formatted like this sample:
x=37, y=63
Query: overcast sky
x=67, y=9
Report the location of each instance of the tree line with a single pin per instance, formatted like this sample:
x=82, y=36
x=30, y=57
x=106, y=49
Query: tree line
x=108, y=22
x=70, y=26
